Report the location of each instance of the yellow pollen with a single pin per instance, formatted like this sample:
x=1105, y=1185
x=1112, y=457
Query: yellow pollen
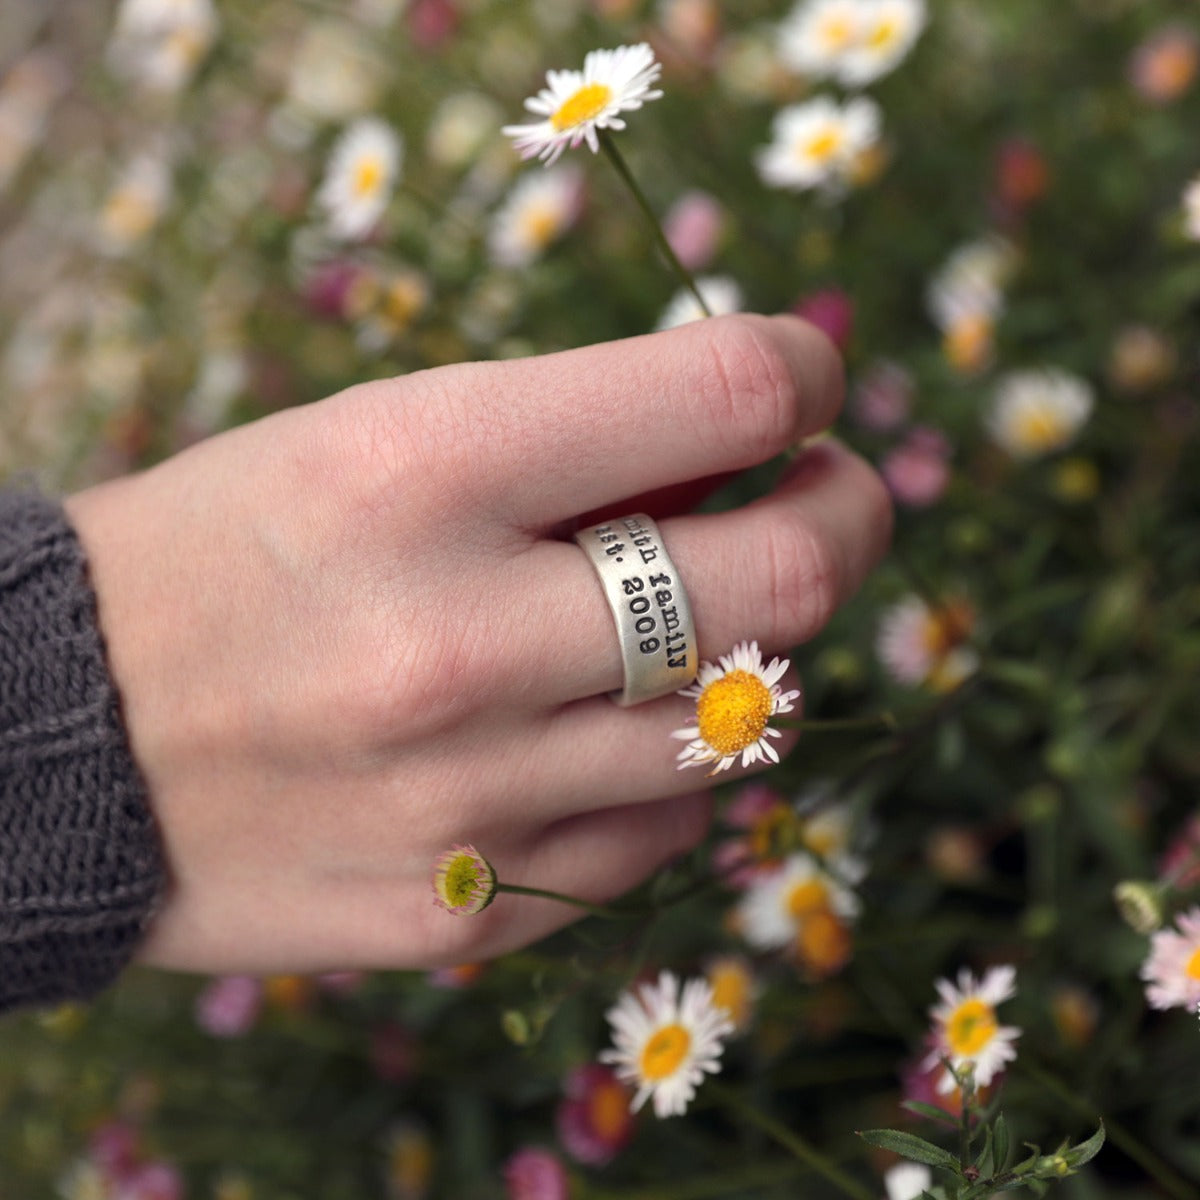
x=1192, y=970
x=664, y=1052
x=968, y=342
x=460, y=880
x=731, y=991
x=824, y=146
x=883, y=34
x=1038, y=429
x=838, y=32
x=587, y=104
x=732, y=712
x=823, y=943
x=608, y=1108
x=540, y=224
x=807, y=898
x=368, y=176
x=970, y=1027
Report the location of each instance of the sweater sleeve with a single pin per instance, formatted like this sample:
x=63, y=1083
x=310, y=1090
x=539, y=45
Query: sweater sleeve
x=81, y=863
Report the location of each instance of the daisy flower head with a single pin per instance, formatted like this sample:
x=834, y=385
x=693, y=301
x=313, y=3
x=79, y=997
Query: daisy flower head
x=1172, y=968
x=363, y=167
x=721, y=293
x=538, y=211
x=817, y=34
x=665, y=1040
x=907, y=1181
x=1038, y=412
x=886, y=33
x=464, y=882
x=923, y=646
x=161, y=43
x=966, y=1031
x=818, y=142
x=575, y=105
x=734, y=701
x=776, y=906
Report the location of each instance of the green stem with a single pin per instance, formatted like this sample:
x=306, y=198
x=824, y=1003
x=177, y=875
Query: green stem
x=883, y=720
x=597, y=910
x=622, y=169
x=790, y=1141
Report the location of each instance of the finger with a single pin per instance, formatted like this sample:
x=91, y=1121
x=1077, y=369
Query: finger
x=565, y=433
x=773, y=571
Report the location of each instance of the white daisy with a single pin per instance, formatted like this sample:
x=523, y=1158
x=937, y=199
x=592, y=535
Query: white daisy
x=907, y=1181
x=777, y=903
x=817, y=34
x=818, y=142
x=361, y=173
x=1191, y=210
x=971, y=282
x=538, y=211
x=721, y=293
x=137, y=201
x=1172, y=968
x=160, y=43
x=1040, y=411
x=734, y=701
x=886, y=33
x=921, y=645
x=664, y=1042
x=575, y=104
x=966, y=1032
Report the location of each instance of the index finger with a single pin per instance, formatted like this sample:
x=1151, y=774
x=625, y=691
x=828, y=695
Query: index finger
x=589, y=427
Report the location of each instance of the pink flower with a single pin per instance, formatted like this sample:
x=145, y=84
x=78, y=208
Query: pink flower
x=757, y=812
x=535, y=1174
x=693, y=228
x=883, y=397
x=1164, y=66
x=113, y=1148
x=1022, y=176
x=594, y=1119
x=151, y=1181
x=328, y=289
x=832, y=311
x=393, y=1051
x=1180, y=862
x=229, y=1006
x=432, y=22
x=918, y=470
x=1172, y=968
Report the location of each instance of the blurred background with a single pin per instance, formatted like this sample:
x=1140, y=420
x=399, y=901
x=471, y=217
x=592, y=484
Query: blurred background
x=1009, y=258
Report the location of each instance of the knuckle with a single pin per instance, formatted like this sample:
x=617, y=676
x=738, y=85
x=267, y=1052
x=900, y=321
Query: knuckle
x=803, y=576
x=750, y=386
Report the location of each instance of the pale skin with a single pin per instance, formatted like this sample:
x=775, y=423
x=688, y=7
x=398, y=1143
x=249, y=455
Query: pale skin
x=352, y=634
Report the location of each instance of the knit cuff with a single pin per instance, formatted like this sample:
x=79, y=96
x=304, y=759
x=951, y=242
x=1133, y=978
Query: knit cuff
x=81, y=862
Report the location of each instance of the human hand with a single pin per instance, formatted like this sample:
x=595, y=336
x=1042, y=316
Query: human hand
x=346, y=636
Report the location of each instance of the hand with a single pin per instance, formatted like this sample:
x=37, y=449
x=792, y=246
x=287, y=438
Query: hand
x=345, y=636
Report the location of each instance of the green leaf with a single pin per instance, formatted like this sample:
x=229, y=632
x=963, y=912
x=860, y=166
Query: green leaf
x=984, y=1162
x=930, y=1111
x=908, y=1145
x=1000, y=1144
x=1088, y=1150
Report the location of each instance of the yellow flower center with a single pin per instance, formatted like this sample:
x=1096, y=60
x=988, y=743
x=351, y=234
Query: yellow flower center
x=608, y=1108
x=806, y=898
x=823, y=943
x=731, y=990
x=664, y=1052
x=460, y=880
x=129, y=214
x=968, y=343
x=732, y=712
x=368, y=176
x=769, y=833
x=1039, y=429
x=1192, y=970
x=837, y=32
x=587, y=104
x=824, y=145
x=540, y=224
x=883, y=34
x=970, y=1027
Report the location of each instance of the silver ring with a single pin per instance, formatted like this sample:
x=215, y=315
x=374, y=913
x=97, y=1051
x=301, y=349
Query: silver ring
x=649, y=605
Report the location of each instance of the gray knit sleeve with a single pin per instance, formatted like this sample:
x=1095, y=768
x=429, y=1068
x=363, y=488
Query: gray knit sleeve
x=81, y=864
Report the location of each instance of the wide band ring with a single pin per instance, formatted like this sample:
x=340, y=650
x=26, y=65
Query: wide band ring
x=649, y=605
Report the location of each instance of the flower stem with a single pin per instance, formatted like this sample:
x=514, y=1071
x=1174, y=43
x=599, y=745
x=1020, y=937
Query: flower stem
x=791, y=1141
x=883, y=720
x=597, y=910
x=622, y=169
